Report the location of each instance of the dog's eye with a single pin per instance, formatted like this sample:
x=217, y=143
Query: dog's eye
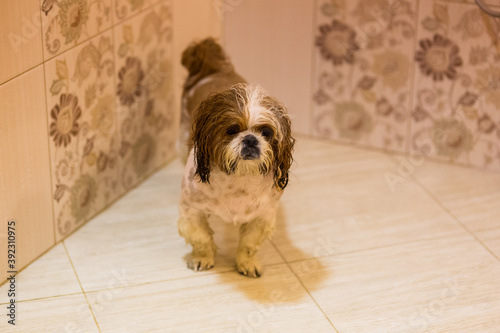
x=232, y=130
x=267, y=132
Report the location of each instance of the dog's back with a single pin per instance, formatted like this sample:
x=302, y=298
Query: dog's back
x=210, y=71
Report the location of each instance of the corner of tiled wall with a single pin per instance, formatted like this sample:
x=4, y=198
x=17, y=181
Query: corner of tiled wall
x=457, y=84
x=416, y=77
x=363, y=74
x=109, y=98
x=25, y=196
x=86, y=110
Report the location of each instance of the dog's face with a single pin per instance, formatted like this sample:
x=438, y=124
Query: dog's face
x=243, y=131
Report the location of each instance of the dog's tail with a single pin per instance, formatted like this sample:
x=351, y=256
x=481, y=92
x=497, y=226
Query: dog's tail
x=202, y=59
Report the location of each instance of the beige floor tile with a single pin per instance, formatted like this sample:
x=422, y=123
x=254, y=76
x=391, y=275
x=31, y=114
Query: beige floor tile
x=225, y=302
x=490, y=238
x=50, y=275
x=137, y=238
x=58, y=314
x=442, y=285
x=338, y=200
x=471, y=195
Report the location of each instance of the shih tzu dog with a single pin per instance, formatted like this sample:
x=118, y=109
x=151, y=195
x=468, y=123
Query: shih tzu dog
x=210, y=70
x=237, y=170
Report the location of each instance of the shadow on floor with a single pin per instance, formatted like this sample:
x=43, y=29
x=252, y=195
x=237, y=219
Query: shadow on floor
x=279, y=283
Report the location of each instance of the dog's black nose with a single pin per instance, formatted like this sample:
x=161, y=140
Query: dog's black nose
x=250, y=141
x=250, y=149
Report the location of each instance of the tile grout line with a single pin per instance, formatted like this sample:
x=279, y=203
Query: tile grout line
x=303, y=286
x=445, y=209
x=48, y=135
x=133, y=15
x=44, y=298
x=455, y=218
x=80, y=284
x=412, y=81
x=229, y=270
x=387, y=246
x=313, y=64
x=111, y=203
x=20, y=74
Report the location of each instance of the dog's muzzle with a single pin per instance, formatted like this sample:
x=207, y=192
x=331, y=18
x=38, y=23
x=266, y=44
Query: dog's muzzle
x=251, y=150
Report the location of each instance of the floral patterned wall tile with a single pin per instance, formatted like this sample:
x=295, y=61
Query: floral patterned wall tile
x=66, y=23
x=125, y=8
x=457, y=85
x=144, y=89
x=84, y=132
x=364, y=51
x=492, y=3
x=110, y=117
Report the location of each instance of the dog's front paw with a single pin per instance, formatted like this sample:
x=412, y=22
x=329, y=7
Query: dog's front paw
x=200, y=263
x=249, y=266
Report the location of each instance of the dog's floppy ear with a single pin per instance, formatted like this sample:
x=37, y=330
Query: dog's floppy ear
x=201, y=138
x=283, y=143
x=202, y=59
x=210, y=121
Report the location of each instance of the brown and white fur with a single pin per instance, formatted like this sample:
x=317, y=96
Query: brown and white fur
x=210, y=70
x=237, y=171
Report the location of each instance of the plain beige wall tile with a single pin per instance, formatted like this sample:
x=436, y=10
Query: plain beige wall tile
x=20, y=37
x=193, y=20
x=25, y=176
x=270, y=43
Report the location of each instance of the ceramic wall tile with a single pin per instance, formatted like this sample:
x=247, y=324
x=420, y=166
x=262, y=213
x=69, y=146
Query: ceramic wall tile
x=205, y=14
x=491, y=3
x=66, y=23
x=21, y=44
x=456, y=89
x=84, y=132
x=111, y=123
x=143, y=71
x=269, y=43
x=24, y=170
x=126, y=8
x=362, y=80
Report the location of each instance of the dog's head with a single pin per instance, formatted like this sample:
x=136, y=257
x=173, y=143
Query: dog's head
x=243, y=131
